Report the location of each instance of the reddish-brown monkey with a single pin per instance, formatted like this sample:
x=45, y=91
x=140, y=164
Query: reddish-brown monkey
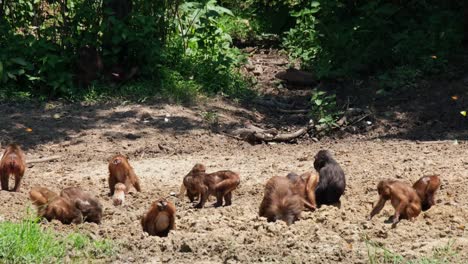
x=426, y=188
x=89, y=205
x=119, y=194
x=121, y=171
x=403, y=197
x=160, y=218
x=305, y=185
x=52, y=206
x=280, y=202
x=188, y=183
x=220, y=184
x=12, y=163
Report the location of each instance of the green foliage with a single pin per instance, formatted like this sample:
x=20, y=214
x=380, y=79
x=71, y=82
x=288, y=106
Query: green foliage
x=169, y=41
x=28, y=242
x=341, y=38
x=324, y=109
x=380, y=255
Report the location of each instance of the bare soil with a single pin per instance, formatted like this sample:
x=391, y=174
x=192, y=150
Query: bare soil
x=164, y=141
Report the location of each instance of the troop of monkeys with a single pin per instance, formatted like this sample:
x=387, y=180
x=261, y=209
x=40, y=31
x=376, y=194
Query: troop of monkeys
x=284, y=198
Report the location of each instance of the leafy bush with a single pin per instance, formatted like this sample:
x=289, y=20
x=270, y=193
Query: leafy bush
x=342, y=38
x=324, y=111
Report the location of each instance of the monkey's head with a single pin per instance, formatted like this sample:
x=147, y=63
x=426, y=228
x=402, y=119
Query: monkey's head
x=322, y=158
x=119, y=194
x=118, y=159
x=161, y=204
x=384, y=188
x=292, y=176
x=92, y=210
x=198, y=169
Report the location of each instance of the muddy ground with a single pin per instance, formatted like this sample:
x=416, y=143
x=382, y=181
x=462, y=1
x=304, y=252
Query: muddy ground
x=164, y=141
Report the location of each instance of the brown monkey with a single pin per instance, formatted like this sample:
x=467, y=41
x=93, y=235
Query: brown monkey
x=12, y=163
x=305, y=185
x=403, y=197
x=51, y=206
x=221, y=184
x=121, y=171
x=199, y=183
x=280, y=202
x=426, y=188
x=89, y=205
x=119, y=194
x=160, y=218
x=188, y=183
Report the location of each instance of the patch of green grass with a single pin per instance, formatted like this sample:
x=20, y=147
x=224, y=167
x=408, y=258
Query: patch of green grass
x=378, y=254
x=28, y=242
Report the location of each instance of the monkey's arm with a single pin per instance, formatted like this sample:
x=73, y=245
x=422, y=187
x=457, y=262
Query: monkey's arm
x=204, y=193
x=136, y=183
x=378, y=207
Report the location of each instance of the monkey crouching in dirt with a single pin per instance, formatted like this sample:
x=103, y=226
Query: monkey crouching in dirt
x=403, y=198
x=160, y=219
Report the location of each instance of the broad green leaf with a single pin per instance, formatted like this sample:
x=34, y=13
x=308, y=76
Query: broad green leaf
x=19, y=61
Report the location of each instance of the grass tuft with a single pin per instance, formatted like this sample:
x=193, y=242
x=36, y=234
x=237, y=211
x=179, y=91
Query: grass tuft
x=28, y=242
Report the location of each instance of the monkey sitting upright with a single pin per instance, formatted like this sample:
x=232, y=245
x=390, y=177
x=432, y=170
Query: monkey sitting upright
x=332, y=179
x=403, y=197
x=160, y=219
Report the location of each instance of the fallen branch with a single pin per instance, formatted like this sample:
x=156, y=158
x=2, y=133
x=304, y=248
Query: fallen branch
x=51, y=158
x=293, y=111
x=253, y=133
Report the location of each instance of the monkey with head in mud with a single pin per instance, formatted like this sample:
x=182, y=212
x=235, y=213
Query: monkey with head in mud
x=160, y=219
x=120, y=171
x=188, y=185
x=12, y=164
x=220, y=184
x=119, y=194
x=426, y=188
x=305, y=185
x=332, y=182
x=52, y=206
x=281, y=201
x=89, y=205
x=403, y=197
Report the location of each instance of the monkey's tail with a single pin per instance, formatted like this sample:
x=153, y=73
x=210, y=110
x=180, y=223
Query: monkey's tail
x=182, y=191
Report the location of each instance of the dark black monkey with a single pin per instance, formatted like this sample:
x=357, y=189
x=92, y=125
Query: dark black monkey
x=332, y=179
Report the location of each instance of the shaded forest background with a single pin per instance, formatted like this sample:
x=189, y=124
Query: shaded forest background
x=86, y=50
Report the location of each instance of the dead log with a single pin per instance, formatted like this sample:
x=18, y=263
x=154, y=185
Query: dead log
x=46, y=159
x=297, y=77
x=253, y=134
